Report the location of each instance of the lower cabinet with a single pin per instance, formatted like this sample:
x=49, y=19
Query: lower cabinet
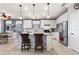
x=49, y=42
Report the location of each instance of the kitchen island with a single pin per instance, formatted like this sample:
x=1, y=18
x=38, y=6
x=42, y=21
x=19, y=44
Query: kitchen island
x=48, y=40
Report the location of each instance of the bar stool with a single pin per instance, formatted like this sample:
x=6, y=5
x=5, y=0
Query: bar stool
x=39, y=42
x=25, y=45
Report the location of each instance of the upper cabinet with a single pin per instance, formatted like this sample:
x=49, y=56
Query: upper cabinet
x=48, y=24
x=27, y=23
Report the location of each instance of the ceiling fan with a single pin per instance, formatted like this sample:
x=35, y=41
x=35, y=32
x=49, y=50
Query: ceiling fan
x=4, y=16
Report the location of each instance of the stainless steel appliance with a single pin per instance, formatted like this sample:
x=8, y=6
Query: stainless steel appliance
x=63, y=31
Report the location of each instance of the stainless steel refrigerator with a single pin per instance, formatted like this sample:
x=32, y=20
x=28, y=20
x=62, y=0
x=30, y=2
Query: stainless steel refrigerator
x=63, y=31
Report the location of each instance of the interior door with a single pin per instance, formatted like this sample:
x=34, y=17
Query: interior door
x=74, y=31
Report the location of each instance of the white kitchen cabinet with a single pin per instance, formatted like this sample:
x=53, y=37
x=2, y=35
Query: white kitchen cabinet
x=49, y=42
x=52, y=23
x=52, y=41
x=27, y=23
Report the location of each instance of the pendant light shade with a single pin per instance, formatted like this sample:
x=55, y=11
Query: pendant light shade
x=20, y=12
x=48, y=11
x=3, y=15
x=33, y=11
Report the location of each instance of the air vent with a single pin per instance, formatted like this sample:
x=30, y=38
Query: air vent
x=76, y=6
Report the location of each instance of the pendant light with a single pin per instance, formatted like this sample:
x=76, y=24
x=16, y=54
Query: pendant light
x=20, y=12
x=33, y=11
x=48, y=11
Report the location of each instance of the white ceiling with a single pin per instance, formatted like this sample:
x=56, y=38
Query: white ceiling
x=13, y=10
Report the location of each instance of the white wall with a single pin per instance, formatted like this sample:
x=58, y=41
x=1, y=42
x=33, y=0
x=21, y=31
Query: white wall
x=51, y=22
x=62, y=18
x=73, y=26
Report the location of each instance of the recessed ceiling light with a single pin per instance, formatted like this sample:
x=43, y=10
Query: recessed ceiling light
x=45, y=8
x=26, y=8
